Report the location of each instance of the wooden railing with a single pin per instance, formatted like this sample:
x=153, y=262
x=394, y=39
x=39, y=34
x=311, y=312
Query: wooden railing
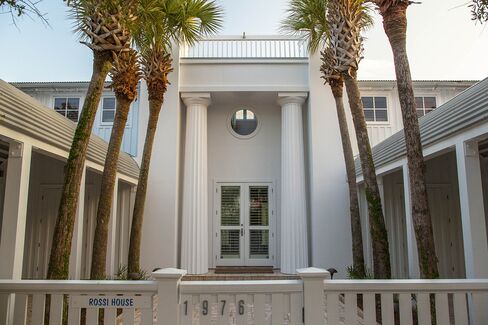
x=312, y=300
x=407, y=301
x=247, y=48
x=29, y=302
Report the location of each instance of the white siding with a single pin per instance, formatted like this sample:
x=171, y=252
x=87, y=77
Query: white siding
x=129, y=142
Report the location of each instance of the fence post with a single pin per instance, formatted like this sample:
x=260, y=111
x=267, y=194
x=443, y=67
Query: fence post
x=168, y=295
x=313, y=294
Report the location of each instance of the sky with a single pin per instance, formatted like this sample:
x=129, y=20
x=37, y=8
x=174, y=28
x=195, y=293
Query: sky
x=443, y=42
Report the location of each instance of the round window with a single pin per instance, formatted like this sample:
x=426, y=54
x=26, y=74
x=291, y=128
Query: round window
x=244, y=122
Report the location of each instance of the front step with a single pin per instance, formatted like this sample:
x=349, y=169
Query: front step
x=244, y=270
x=241, y=274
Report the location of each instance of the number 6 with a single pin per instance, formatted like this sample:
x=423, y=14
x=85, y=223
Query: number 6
x=241, y=307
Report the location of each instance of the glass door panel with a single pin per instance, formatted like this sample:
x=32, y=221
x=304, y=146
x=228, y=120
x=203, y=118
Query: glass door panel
x=230, y=224
x=258, y=225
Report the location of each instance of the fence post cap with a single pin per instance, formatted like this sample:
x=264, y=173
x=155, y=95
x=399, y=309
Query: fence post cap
x=169, y=273
x=313, y=272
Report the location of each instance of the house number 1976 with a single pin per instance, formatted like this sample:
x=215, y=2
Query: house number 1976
x=222, y=309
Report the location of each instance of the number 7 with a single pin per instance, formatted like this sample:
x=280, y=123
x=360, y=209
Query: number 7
x=223, y=306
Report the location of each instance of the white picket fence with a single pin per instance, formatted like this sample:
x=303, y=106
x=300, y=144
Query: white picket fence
x=312, y=300
x=260, y=47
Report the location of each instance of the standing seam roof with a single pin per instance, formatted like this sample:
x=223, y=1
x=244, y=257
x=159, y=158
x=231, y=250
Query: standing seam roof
x=24, y=114
x=467, y=109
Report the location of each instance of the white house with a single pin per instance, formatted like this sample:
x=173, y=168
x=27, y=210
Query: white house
x=248, y=170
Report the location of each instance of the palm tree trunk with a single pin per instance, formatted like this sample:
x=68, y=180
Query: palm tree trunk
x=99, y=254
x=395, y=25
x=357, y=236
x=381, y=252
x=138, y=215
x=63, y=231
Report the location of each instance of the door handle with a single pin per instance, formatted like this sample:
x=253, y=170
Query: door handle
x=242, y=229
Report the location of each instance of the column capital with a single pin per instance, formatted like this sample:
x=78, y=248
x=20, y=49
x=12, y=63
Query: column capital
x=196, y=99
x=292, y=97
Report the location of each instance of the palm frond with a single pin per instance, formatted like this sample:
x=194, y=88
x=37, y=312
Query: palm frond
x=308, y=19
x=177, y=21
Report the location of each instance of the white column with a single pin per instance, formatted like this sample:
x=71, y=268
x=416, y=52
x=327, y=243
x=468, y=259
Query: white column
x=413, y=257
x=77, y=243
x=194, y=246
x=294, y=239
x=473, y=222
x=14, y=221
x=110, y=267
x=381, y=188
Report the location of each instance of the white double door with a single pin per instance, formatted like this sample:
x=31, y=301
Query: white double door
x=244, y=224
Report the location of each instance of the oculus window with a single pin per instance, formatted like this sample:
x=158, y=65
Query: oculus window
x=425, y=105
x=375, y=109
x=69, y=107
x=244, y=123
x=108, y=110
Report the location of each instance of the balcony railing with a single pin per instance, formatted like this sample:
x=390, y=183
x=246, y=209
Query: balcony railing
x=262, y=47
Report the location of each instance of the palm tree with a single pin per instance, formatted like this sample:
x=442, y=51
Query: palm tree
x=394, y=13
x=101, y=24
x=347, y=18
x=479, y=10
x=181, y=21
x=336, y=81
x=125, y=76
x=309, y=17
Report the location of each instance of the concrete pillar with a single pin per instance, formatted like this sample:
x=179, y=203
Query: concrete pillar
x=111, y=268
x=294, y=239
x=473, y=223
x=77, y=243
x=14, y=220
x=413, y=256
x=194, y=254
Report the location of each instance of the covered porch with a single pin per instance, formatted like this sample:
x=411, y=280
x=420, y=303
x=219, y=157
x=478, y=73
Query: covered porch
x=455, y=145
x=32, y=160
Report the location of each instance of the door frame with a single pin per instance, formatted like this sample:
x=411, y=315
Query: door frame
x=272, y=221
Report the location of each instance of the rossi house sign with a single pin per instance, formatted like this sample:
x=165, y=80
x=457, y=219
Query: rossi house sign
x=142, y=302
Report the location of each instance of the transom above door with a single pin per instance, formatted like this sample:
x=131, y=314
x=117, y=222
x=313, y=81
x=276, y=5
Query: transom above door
x=244, y=224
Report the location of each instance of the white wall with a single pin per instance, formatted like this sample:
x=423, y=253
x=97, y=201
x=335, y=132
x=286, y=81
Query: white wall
x=160, y=232
x=330, y=222
x=129, y=142
x=379, y=131
x=244, y=160
x=245, y=76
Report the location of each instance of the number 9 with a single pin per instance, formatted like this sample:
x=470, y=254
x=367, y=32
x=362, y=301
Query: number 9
x=205, y=307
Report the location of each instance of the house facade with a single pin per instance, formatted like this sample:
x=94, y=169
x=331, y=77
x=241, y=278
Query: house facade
x=247, y=166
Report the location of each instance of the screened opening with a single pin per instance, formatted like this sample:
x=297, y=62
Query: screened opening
x=244, y=122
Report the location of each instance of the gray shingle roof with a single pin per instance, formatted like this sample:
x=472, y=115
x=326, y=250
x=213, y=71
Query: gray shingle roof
x=24, y=114
x=467, y=109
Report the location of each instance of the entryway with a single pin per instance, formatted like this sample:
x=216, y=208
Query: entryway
x=244, y=224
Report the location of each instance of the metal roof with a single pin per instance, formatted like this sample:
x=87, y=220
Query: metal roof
x=24, y=114
x=467, y=109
